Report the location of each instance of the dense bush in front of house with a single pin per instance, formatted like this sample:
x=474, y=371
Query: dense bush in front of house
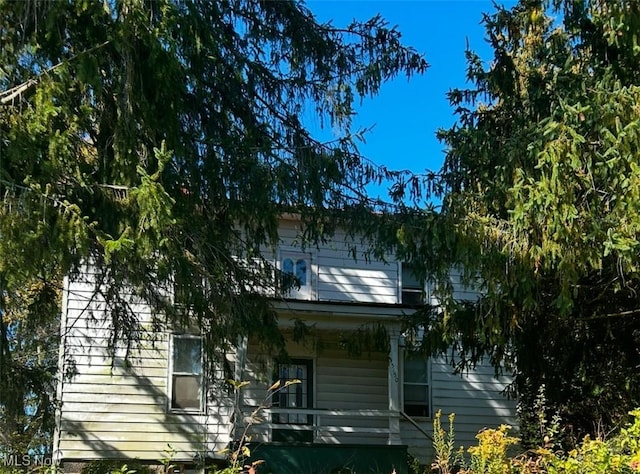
x=497, y=453
x=103, y=466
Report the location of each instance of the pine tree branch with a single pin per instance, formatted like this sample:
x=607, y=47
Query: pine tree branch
x=10, y=95
x=631, y=312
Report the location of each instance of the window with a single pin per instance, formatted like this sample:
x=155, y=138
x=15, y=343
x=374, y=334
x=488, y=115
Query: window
x=416, y=385
x=298, y=265
x=180, y=288
x=299, y=395
x=185, y=287
x=412, y=287
x=186, y=372
x=297, y=268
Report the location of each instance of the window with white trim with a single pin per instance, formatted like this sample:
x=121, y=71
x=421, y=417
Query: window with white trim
x=298, y=265
x=416, y=386
x=412, y=286
x=186, y=372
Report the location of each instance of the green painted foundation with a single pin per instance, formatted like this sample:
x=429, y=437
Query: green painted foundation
x=308, y=458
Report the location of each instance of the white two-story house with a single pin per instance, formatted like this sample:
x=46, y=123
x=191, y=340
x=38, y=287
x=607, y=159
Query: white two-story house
x=363, y=412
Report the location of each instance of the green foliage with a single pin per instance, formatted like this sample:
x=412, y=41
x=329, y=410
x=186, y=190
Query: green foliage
x=28, y=365
x=540, y=195
x=367, y=338
x=490, y=455
x=539, y=427
x=104, y=466
x=619, y=454
x=161, y=142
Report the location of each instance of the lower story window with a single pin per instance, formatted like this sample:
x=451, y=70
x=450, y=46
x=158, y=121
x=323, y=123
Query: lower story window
x=186, y=372
x=417, y=393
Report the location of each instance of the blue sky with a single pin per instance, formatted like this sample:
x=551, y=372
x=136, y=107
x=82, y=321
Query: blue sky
x=407, y=114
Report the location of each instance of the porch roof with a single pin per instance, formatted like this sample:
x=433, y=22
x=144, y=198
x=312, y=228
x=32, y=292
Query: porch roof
x=339, y=314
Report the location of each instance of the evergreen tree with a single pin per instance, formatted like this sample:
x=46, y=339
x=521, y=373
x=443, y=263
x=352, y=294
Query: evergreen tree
x=157, y=141
x=540, y=200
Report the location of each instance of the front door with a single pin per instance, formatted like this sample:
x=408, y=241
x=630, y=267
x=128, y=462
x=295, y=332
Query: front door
x=298, y=395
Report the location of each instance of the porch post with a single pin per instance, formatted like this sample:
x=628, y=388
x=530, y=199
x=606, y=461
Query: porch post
x=394, y=391
x=241, y=355
x=238, y=397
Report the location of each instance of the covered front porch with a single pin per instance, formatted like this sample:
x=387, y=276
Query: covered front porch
x=341, y=412
x=329, y=441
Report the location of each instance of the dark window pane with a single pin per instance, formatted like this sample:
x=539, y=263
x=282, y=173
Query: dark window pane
x=416, y=394
x=295, y=395
x=187, y=355
x=409, y=279
x=412, y=287
x=416, y=385
x=301, y=272
x=417, y=410
x=287, y=266
x=412, y=297
x=416, y=370
x=186, y=392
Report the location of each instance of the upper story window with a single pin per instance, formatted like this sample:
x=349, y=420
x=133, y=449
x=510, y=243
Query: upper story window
x=416, y=386
x=298, y=265
x=186, y=372
x=412, y=286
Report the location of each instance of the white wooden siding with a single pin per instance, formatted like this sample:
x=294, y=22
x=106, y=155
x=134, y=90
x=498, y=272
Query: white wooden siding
x=340, y=277
x=348, y=383
x=116, y=410
x=475, y=397
x=462, y=292
x=113, y=409
x=339, y=382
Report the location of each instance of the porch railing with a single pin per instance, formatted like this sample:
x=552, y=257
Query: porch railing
x=326, y=421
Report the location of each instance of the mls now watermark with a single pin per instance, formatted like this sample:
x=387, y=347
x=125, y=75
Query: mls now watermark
x=28, y=460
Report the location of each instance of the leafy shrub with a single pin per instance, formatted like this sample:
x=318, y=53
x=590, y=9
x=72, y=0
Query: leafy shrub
x=618, y=455
x=490, y=456
x=9, y=470
x=104, y=466
x=539, y=425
